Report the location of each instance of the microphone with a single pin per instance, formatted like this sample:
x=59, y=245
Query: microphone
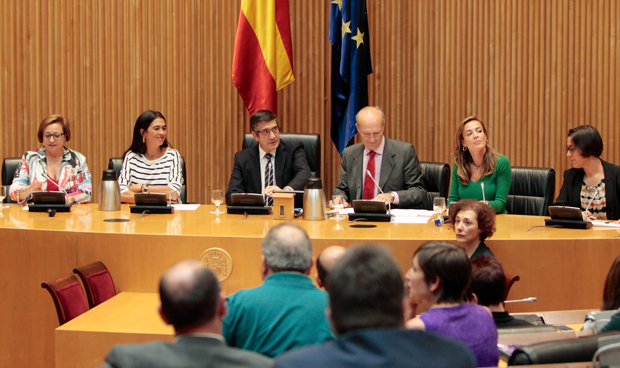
x=483, y=196
x=526, y=300
x=57, y=184
x=592, y=200
x=178, y=198
x=378, y=187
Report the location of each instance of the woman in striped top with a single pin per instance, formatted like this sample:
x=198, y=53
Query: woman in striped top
x=150, y=165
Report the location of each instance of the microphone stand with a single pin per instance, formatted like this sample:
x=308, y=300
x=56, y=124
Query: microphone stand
x=378, y=187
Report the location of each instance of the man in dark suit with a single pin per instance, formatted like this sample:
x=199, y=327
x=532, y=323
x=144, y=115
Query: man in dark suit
x=270, y=165
x=192, y=302
x=366, y=310
x=393, y=164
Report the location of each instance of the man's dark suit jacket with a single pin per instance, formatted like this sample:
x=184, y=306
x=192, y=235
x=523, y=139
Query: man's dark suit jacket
x=291, y=169
x=400, y=172
x=393, y=348
x=187, y=352
x=570, y=194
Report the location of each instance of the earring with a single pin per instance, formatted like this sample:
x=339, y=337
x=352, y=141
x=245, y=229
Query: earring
x=143, y=140
x=464, y=148
x=487, y=142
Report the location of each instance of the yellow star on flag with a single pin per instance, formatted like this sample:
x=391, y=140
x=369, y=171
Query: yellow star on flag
x=346, y=28
x=359, y=38
x=339, y=2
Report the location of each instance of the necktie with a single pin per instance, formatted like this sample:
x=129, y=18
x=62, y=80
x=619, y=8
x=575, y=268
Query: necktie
x=268, y=177
x=369, y=186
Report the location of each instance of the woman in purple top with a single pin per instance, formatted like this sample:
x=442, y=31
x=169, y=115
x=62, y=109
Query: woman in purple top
x=440, y=275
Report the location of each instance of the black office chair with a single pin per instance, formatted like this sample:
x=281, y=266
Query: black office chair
x=116, y=163
x=9, y=166
x=312, y=147
x=531, y=192
x=436, y=180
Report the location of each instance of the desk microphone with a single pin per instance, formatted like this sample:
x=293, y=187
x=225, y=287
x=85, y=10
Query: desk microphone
x=526, y=300
x=592, y=200
x=57, y=183
x=483, y=197
x=178, y=198
x=378, y=187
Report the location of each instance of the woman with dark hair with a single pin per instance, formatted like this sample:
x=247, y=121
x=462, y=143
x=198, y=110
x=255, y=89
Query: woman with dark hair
x=473, y=222
x=440, y=276
x=477, y=166
x=591, y=184
x=53, y=167
x=150, y=165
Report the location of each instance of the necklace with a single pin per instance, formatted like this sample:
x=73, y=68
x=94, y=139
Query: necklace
x=477, y=166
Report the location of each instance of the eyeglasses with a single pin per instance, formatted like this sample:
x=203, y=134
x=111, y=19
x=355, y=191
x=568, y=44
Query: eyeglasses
x=267, y=132
x=571, y=149
x=56, y=136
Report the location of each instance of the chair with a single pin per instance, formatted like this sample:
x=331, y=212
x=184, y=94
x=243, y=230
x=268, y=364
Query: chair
x=68, y=297
x=116, y=164
x=531, y=192
x=97, y=282
x=608, y=353
x=436, y=180
x=312, y=147
x=9, y=167
x=510, y=279
x=565, y=351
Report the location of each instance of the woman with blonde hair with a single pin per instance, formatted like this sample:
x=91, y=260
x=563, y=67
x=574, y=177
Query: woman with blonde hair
x=479, y=167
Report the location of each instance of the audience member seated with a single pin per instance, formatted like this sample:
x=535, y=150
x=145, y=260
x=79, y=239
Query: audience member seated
x=475, y=164
x=287, y=311
x=473, y=222
x=440, y=276
x=53, y=167
x=326, y=261
x=366, y=311
x=591, y=181
x=150, y=165
x=611, y=301
x=192, y=302
x=488, y=286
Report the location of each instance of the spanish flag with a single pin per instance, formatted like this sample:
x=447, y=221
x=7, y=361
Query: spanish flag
x=263, y=60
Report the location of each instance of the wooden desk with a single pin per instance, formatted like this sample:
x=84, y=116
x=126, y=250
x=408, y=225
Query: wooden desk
x=564, y=269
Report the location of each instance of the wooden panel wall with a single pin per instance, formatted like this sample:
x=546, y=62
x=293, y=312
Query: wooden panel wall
x=529, y=69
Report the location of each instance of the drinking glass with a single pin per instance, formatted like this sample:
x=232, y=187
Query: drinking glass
x=439, y=205
x=217, y=197
x=337, y=208
x=2, y=196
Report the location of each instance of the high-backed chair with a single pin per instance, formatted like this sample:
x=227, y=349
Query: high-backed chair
x=510, y=280
x=68, y=297
x=9, y=166
x=312, y=147
x=116, y=164
x=531, y=192
x=564, y=351
x=97, y=282
x=436, y=179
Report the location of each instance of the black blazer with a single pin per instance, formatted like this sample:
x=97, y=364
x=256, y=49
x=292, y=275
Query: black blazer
x=291, y=169
x=570, y=194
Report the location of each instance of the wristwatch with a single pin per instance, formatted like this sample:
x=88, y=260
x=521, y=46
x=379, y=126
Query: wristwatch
x=393, y=196
x=145, y=188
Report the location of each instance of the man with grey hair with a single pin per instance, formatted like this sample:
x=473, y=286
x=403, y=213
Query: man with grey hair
x=287, y=311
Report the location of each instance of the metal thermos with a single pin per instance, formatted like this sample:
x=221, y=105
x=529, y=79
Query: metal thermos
x=314, y=200
x=109, y=192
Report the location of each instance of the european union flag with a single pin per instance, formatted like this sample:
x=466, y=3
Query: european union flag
x=348, y=34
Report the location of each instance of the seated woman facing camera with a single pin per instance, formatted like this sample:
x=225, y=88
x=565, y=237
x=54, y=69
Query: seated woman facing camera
x=473, y=222
x=477, y=166
x=53, y=167
x=440, y=276
x=591, y=182
x=150, y=165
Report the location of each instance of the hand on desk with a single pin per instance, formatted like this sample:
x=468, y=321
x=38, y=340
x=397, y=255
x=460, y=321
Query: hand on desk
x=269, y=190
x=336, y=201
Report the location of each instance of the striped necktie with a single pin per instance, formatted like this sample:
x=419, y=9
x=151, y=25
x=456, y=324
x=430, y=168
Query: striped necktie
x=268, y=177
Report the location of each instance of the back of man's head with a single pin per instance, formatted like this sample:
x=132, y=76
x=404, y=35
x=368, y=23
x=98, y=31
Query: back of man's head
x=488, y=280
x=189, y=295
x=326, y=261
x=287, y=247
x=365, y=290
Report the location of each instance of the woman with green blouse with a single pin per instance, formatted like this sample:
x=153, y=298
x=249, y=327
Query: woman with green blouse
x=475, y=163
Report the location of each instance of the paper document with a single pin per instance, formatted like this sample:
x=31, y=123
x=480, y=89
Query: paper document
x=186, y=207
x=605, y=223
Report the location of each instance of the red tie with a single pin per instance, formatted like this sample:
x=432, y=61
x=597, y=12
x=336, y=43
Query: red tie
x=369, y=186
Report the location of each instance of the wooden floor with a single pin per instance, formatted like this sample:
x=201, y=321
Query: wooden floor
x=565, y=269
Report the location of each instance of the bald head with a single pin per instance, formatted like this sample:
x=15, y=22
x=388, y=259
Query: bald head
x=326, y=261
x=189, y=294
x=370, y=123
x=287, y=247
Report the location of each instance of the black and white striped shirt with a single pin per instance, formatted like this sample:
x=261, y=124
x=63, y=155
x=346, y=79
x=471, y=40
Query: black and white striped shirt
x=166, y=170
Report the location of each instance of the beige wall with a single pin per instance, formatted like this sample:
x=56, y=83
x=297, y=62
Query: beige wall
x=529, y=69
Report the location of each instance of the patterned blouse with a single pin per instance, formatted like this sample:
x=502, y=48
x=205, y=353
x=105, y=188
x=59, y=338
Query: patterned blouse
x=74, y=176
x=598, y=208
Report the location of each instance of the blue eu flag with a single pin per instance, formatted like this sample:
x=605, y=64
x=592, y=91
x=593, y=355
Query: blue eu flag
x=348, y=34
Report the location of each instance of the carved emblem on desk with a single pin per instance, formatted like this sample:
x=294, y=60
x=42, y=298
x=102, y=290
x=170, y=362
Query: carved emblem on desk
x=219, y=261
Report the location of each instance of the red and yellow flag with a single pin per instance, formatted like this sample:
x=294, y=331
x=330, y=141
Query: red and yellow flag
x=263, y=60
